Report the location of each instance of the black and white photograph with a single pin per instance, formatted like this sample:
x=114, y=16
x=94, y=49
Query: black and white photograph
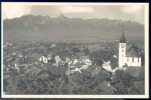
x=74, y=50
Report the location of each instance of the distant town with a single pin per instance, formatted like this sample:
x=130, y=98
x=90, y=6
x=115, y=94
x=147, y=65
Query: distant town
x=36, y=67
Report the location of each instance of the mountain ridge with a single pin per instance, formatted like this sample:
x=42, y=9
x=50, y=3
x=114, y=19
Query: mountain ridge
x=39, y=27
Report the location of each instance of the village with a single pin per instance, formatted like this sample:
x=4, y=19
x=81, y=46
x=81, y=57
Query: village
x=50, y=62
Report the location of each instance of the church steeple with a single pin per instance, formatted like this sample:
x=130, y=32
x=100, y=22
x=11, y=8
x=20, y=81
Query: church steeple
x=122, y=40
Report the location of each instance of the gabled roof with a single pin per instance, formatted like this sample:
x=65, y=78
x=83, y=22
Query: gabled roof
x=34, y=70
x=83, y=57
x=84, y=67
x=67, y=59
x=133, y=52
x=55, y=70
x=91, y=68
x=43, y=75
x=61, y=63
x=78, y=64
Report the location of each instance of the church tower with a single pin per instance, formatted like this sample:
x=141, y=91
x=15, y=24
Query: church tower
x=122, y=50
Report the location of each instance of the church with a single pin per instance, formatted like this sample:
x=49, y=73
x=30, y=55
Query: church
x=129, y=57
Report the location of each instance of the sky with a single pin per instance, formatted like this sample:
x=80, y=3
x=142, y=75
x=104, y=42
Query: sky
x=121, y=12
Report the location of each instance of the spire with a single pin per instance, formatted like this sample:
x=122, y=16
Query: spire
x=122, y=40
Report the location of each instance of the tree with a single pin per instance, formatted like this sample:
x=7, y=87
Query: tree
x=127, y=79
x=117, y=76
x=120, y=88
x=86, y=51
x=76, y=50
x=102, y=75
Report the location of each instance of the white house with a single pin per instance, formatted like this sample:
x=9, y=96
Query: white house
x=75, y=61
x=129, y=58
x=53, y=45
x=43, y=59
x=67, y=60
x=106, y=66
x=76, y=70
x=87, y=61
x=57, y=58
x=84, y=67
x=49, y=56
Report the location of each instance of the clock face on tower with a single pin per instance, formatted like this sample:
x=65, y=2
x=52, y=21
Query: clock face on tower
x=122, y=45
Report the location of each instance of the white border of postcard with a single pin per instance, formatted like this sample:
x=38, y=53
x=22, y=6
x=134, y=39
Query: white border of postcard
x=146, y=40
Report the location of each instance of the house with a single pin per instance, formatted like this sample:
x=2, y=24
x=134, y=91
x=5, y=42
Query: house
x=84, y=67
x=55, y=70
x=106, y=66
x=53, y=45
x=87, y=62
x=91, y=68
x=43, y=75
x=68, y=60
x=79, y=64
x=43, y=59
x=85, y=59
x=61, y=63
x=76, y=70
x=72, y=70
x=49, y=56
x=81, y=58
x=33, y=70
x=75, y=61
x=57, y=59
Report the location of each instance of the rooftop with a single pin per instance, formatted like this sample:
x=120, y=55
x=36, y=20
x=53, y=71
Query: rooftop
x=133, y=52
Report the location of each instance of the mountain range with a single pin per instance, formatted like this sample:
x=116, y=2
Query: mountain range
x=30, y=27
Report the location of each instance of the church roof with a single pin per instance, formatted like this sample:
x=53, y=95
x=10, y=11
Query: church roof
x=122, y=40
x=133, y=52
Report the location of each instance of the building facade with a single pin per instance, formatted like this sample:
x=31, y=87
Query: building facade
x=129, y=57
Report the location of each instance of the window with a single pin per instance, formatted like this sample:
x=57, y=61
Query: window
x=132, y=59
x=122, y=50
x=127, y=59
x=138, y=59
